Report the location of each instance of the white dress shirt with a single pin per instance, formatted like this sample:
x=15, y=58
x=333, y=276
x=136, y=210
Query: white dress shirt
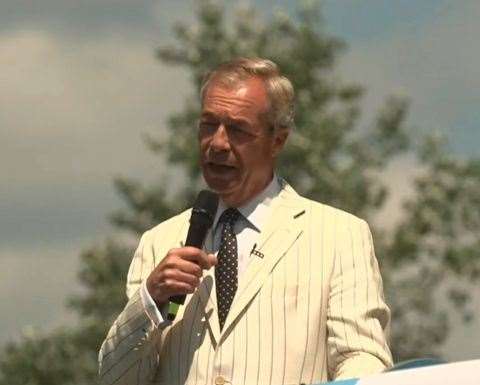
x=247, y=228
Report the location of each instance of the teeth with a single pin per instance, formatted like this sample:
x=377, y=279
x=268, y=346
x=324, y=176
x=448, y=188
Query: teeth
x=222, y=165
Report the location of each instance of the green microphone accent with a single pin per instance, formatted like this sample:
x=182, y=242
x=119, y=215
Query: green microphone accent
x=172, y=310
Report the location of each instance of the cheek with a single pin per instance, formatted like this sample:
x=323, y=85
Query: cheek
x=203, y=145
x=262, y=152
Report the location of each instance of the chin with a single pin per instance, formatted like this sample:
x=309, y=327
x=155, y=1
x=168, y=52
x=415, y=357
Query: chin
x=226, y=189
x=221, y=183
x=220, y=187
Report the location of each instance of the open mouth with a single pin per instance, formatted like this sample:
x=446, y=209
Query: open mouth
x=220, y=168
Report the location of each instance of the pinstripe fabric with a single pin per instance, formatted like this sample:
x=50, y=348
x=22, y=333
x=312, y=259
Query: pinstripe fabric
x=310, y=310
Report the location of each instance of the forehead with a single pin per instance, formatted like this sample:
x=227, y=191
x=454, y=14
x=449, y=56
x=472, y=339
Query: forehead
x=245, y=97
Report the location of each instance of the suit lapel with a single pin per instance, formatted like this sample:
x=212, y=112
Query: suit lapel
x=209, y=301
x=281, y=232
x=206, y=290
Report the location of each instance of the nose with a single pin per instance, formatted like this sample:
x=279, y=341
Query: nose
x=220, y=139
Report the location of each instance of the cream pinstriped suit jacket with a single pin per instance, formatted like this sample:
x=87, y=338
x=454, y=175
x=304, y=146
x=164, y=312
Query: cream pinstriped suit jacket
x=310, y=310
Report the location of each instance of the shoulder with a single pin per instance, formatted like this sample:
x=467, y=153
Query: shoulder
x=335, y=215
x=169, y=228
x=319, y=211
x=172, y=221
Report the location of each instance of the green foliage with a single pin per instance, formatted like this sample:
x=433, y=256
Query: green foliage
x=329, y=158
x=52, y=359
x=103, y=274
x=69, y=355
x=432, y=259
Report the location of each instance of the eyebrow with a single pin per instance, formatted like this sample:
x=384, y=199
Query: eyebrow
x=210, y=115
x=207, y=115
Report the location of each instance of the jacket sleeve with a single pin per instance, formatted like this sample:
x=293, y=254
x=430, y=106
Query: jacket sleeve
x=357, y=317
x=129, y=353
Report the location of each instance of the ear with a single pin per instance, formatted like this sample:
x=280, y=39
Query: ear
x=280, y=137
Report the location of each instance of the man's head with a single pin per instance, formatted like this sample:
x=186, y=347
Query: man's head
x=247, y=113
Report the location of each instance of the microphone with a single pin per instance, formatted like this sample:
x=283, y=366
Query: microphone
x=203, y=214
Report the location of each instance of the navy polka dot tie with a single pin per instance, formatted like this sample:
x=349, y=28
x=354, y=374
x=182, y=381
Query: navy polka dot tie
x=227, y=266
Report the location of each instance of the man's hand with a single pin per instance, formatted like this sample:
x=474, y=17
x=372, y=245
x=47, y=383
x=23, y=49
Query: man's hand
x=178, y=273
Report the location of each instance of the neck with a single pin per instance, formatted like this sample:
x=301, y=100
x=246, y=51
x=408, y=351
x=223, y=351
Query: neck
x=236, y=200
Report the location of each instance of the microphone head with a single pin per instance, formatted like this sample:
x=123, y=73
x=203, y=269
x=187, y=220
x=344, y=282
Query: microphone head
x=206, y=206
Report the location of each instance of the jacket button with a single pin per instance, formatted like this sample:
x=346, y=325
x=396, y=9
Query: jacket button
x=220, y=380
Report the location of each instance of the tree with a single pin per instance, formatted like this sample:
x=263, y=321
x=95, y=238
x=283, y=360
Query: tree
x=69, y=355
x=329, y=158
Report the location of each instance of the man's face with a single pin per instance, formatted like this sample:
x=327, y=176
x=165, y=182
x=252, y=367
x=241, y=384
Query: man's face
x=237, y=150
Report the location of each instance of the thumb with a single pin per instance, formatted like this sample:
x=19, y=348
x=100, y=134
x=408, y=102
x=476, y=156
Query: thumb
x=212, y=259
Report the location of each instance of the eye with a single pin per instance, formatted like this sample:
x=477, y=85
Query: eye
x=234, y=128
x=207, y=126
x=238, y=132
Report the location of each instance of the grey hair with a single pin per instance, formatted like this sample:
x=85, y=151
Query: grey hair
x=279, y=89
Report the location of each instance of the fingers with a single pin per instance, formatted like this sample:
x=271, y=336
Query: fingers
x=193, y=254
x=187, y=267
x=178, y=273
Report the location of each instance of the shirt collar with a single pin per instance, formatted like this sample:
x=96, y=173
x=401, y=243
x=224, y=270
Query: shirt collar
x=256, y=209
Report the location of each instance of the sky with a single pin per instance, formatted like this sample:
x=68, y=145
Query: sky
x=80, y=85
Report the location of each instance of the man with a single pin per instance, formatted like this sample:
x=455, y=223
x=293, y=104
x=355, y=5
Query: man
x=286, y=290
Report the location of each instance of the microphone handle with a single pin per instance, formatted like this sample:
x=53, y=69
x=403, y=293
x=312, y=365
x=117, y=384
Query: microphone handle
x=197, y=233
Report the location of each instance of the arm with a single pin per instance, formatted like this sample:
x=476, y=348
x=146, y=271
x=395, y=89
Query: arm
x=129, y=354
x=357, y=317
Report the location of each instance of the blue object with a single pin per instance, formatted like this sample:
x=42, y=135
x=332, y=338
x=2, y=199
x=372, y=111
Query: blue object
x=351, y=381
x=416, y=363
x=410, y=364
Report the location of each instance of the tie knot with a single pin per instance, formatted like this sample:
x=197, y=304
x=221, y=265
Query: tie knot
x=230, y=216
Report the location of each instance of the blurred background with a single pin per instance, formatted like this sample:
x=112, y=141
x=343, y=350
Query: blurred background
x=97, y=108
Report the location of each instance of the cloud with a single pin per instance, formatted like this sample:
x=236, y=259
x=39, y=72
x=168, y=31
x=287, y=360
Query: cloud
x=33, y=290
x=76, y=107
x=71, y=117
x=437, y=64
x=88, y=19
x=79, y=85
